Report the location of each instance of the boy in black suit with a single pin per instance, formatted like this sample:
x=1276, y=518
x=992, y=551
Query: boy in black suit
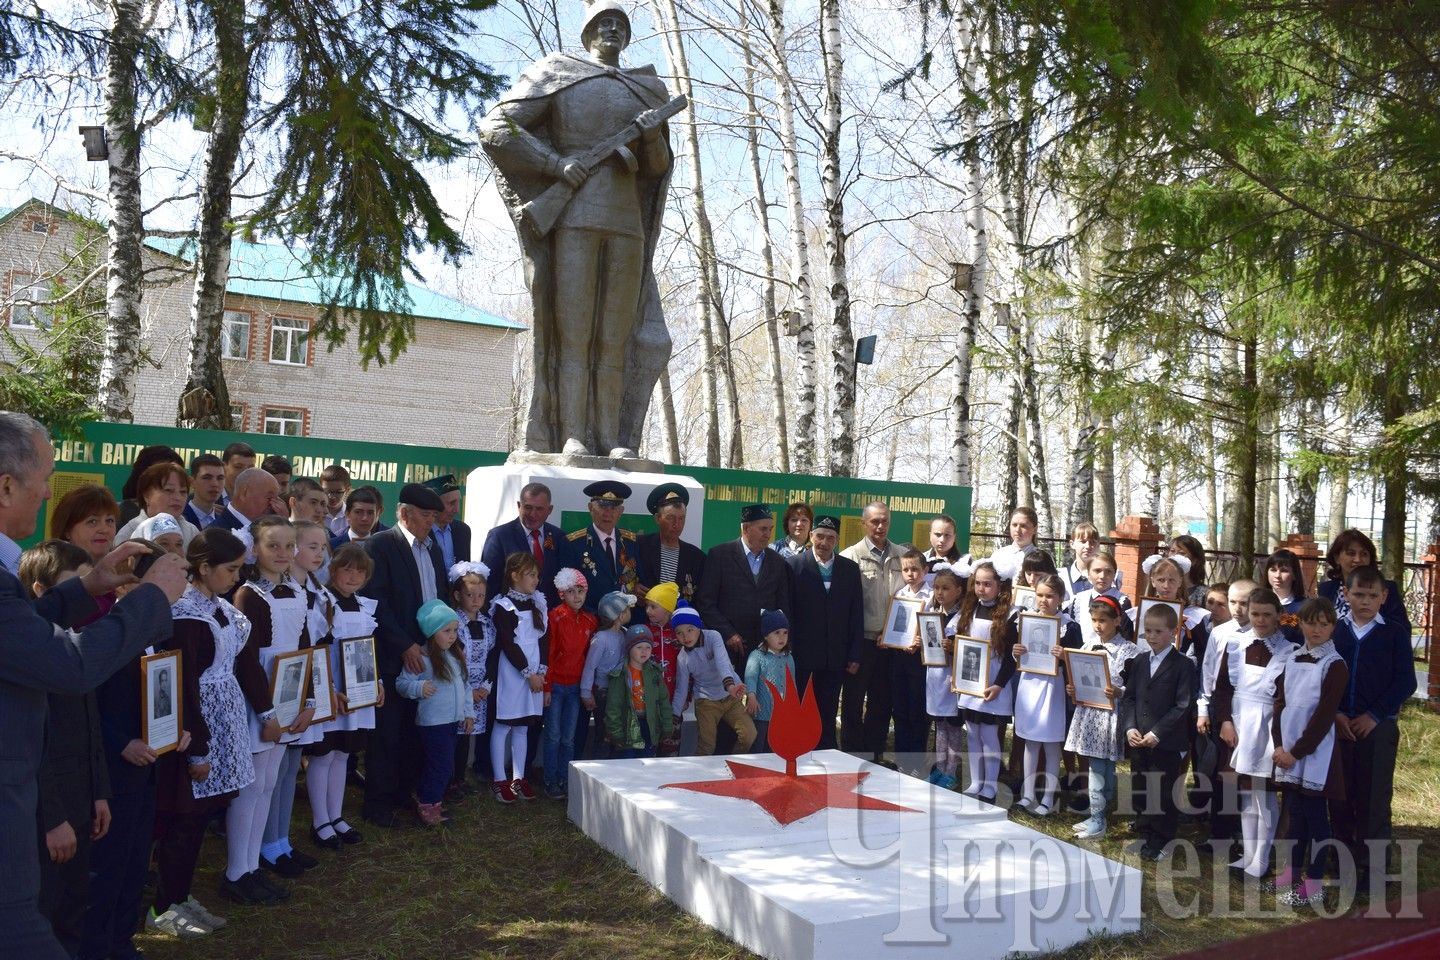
x=1154, y=713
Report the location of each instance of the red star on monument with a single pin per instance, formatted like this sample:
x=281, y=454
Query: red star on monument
x=794, y=730
x=789, y=798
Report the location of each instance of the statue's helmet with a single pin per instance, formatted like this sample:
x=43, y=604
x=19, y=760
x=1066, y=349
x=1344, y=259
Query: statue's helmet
x=594, y=10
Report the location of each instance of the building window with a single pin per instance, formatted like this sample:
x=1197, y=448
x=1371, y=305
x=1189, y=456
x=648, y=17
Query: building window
x=287, y=340
x=283, y=421
x=40, y=226
x=235, y=335
x=28, y=316
x=237, y=416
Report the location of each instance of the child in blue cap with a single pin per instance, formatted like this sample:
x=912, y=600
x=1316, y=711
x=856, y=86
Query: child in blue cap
x=446, y=709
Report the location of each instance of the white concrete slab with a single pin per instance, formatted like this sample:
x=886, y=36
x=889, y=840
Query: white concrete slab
x=851, y=883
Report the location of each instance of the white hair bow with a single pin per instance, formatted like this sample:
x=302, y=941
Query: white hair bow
x=1180, y=560
x=464, y=568
x=1007, y=565
x=963, y=567
x=569, y=577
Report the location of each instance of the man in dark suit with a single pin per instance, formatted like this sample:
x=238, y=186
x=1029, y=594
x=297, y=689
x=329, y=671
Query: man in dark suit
x=662, y=557
x=409, y=571
x=829, y=624
x=256, y=494
x=36, y=659
x=452, y=533
x=600, y=550
x=1155, y=716
x=530, y=532
x=743, y=577
x=363, y=507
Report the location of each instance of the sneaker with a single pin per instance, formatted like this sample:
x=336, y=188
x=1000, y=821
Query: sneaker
x=198, y=913
x=504, y=791
x=1304, y=895
x=554, y=792
x=947, y=782
x=523, y=790
x=934, y=777
x=1093, y=829
x=175, y=923
x=1154, y=854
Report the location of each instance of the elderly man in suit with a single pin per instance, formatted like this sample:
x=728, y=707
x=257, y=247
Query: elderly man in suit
x=37, y=658
x=743, y=577
x=409, y=572
x=256, y=494
x=530, y=532
x=601, y=550
x=866, y=693
x=829, y=625
x=662, y=557
x=452, y=533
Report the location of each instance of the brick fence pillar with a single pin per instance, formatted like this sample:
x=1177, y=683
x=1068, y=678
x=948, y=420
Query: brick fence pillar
x=1136, y=538
x=1430, y=622
x=1304, y=546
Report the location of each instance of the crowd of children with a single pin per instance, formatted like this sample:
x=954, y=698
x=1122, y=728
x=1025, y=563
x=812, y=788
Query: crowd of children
x=1285, y=695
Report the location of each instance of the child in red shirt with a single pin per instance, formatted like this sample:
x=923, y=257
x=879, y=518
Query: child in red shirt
x=571, y=628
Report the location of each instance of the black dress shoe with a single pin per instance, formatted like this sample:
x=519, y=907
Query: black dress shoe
x=243, y=891
x=332, y=842
x=278, y=892
x=388, y=819
x=349, y=836
x=303, y=860
x=284, y=865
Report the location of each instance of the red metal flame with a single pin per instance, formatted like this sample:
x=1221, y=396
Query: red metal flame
x=794, y=722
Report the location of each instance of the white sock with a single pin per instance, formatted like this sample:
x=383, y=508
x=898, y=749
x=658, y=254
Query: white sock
x=1266, y=815
x=339, y=767
x=1249, y=828
x=1030, y=763
x=975, y=764
x=498, y=741
x=245, y=819
x=519, y=746
x=317, y=788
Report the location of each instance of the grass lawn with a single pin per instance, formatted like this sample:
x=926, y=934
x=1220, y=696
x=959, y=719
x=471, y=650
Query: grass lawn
x=522, y=882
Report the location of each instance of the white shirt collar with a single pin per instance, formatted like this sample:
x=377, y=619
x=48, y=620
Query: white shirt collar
x=245, y=521
x=1158, y=658
x=410, y=537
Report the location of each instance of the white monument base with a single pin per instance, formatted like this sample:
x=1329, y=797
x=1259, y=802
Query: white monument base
x=492, y=492
x=950, y=872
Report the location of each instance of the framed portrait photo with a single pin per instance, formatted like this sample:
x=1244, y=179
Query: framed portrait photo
x=1040, y=634
x=320, y=684
x=1089, y=672
x=932, y=638
x=972, y=666
x=1150, y=603
x=160, y=720
x=1022, y=598
x=289, y=686
x=359, y=673
x=900, y=623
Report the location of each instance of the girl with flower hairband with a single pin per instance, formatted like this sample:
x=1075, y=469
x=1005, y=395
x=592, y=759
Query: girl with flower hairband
x=468, y=585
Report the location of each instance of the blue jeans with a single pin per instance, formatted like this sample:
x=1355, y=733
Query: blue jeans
x=1102, y=786
x=560, y=719
x=439, y=744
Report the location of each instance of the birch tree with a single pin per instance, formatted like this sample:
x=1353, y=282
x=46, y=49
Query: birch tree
x=842, y=337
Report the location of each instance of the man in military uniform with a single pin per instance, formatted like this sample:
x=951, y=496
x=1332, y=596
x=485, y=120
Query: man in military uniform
x=602, y=551
x=663, y=556
x=599, y=332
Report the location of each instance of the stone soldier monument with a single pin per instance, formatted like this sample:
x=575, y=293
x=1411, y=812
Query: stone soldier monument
x=583, y=162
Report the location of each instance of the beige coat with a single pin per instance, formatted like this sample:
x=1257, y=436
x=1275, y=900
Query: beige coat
x=878, y=581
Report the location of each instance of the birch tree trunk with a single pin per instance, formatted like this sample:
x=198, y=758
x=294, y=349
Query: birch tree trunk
x=767, y=256
x=1274, y=524
x=205, y=399
x=806, y=443
x=964, y=50
x=1249, y=456
x=1105, y=476
x=711, y=323
x=1303, y=482
x=1034, y=434
x=667, y=407
x=842, y=338
x=1011, y=467
x=1337, y=519
x=126, y=231
x=1154, y=483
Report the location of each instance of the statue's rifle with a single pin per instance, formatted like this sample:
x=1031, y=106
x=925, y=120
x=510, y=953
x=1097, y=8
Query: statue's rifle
x=540, y=214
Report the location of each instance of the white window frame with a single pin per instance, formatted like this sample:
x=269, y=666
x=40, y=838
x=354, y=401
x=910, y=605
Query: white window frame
x=296, y=333
x=234, y=318
x=36, y=317
x=280, y=417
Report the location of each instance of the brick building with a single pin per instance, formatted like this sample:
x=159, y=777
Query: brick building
x=453, y=384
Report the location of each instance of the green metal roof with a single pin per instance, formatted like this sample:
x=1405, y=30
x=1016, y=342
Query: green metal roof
x=276, y=272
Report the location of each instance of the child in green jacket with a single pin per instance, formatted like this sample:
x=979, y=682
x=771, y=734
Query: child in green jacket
x=637, y=709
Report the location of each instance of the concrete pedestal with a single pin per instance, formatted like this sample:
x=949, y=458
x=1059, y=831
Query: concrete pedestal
x=492, y=492
x=949, y=872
